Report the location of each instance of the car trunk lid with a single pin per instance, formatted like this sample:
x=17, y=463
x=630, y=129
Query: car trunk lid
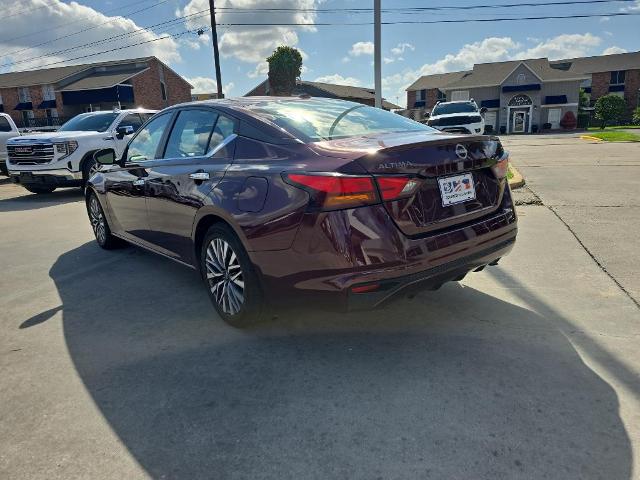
x=432, y=159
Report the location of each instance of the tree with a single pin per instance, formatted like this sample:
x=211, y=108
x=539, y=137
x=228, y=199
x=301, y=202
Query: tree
x=636, y=116
x=609, y=109
x=285, y=65
x=584, y=99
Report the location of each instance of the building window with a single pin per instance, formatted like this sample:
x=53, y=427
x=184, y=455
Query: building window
x=617, y=78
x=163, y=90
x=460, y=95
x=421, y=95
x=521, y=79
x=24, y=95
x=48, y=93
x=442, y=97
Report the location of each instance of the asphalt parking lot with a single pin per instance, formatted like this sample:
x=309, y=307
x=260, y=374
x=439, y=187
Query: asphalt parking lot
x=114, y=365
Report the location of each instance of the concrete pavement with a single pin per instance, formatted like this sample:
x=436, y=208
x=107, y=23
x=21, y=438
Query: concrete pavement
x=114, y=365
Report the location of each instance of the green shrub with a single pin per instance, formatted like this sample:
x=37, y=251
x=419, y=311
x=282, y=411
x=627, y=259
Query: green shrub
x=285, y=65
x=610, y=109
x=636, y=116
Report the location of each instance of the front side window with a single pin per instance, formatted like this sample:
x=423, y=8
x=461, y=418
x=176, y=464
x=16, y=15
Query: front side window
x=131, y=120
x=89, y=122
x=4, y=124
x=325, y=119
x=145, y=144
x=191, y=134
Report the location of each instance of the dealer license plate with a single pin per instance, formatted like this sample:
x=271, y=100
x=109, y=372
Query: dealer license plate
x=457, y=189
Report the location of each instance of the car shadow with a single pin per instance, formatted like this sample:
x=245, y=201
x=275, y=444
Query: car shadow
x=451, y=384
x=32, y=201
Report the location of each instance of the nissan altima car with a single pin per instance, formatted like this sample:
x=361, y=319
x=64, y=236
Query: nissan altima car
x=295, y=200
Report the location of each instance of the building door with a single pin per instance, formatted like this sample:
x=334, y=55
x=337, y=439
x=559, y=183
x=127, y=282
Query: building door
x=519, y=122
x=554, y=117
x=490, y=119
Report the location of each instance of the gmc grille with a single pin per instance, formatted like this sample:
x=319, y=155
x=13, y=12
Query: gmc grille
x=33, y=154
x=461, y=120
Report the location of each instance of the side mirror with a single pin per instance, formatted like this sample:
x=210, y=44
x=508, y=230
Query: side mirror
x=124, y=130
x=105, y=156
x=483, y=110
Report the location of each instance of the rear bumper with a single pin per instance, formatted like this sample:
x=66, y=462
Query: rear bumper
x=336, y=251
x=57, y=177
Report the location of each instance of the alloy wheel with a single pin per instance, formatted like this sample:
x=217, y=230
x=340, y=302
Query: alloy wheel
x=224, y=276
x=97, y=220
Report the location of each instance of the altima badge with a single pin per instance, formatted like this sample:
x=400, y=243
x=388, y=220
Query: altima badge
x=461, y=151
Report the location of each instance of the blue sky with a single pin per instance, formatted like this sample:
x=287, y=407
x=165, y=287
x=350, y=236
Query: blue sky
x=338, y=53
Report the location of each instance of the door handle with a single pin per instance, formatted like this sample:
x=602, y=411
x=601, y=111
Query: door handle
x=139, y=182
x=199, y=176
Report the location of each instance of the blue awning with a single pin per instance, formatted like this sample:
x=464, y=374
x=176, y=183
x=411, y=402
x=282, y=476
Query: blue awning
x=419, y=103
x=521, y=88
x=47, y=104
x=555, y=99
x=616, y=88
x=495, y=103
x=122, y=93
x=587, y=89
x=24, y=106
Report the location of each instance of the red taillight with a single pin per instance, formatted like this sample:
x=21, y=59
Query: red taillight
x=500, y=169
x=335, y=191
x=372, y=287
x=396, y=186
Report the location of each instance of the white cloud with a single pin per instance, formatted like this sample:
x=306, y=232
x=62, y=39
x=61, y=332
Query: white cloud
x=361, y=48
x=633, y=8
x=75, y=17
x=208, y=85
x=261, y=70
x=563, y=46
x=339, y=80
x=388, y=60
x=346, y=59
x=250, y=43
x=401, y=48
x=612, y=50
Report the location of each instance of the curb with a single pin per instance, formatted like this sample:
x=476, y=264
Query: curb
x=589, y=137
x=518, y=180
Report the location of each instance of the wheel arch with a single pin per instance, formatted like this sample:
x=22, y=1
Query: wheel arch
x=206, y=220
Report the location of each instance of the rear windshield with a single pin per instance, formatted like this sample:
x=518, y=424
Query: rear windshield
x=447, y=108
x=89, y=122
x=325, y=119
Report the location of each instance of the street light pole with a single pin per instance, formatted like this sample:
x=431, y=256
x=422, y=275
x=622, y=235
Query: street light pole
x=377, y=52
x=216, y=53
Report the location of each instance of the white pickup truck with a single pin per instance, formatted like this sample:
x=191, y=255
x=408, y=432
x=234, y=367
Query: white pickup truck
x=42, y=162
x=8, y=130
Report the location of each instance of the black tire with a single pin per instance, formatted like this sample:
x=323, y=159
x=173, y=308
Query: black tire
x=100, y=225
x=87, y=166
x=3, y=169
x=39, y=188
x=235, y=291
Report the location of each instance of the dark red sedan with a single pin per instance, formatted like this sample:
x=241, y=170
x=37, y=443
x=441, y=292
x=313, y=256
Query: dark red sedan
x=281, y=200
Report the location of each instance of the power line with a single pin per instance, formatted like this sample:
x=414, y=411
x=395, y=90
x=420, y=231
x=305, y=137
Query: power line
x=425, y=22
x=83, y=30
x=71, y=23
x=195, y=30
x=415, y=9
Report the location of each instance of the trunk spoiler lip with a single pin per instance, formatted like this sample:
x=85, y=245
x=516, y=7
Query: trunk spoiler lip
x=361, y=146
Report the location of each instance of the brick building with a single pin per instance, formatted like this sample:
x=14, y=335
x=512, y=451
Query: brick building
x=49, y=97
x=533, y=92
x=362, y=95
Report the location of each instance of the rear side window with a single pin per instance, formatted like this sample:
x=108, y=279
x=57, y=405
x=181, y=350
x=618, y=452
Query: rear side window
x=145, y=144
x=191, y=134
x=4, y=125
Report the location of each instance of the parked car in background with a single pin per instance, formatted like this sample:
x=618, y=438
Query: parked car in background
x=8, y=130
x=289, y=200
x=457, y=117
x=45, y=161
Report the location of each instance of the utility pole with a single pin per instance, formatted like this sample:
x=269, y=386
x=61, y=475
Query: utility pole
x=216, y=53
x=377, y=52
